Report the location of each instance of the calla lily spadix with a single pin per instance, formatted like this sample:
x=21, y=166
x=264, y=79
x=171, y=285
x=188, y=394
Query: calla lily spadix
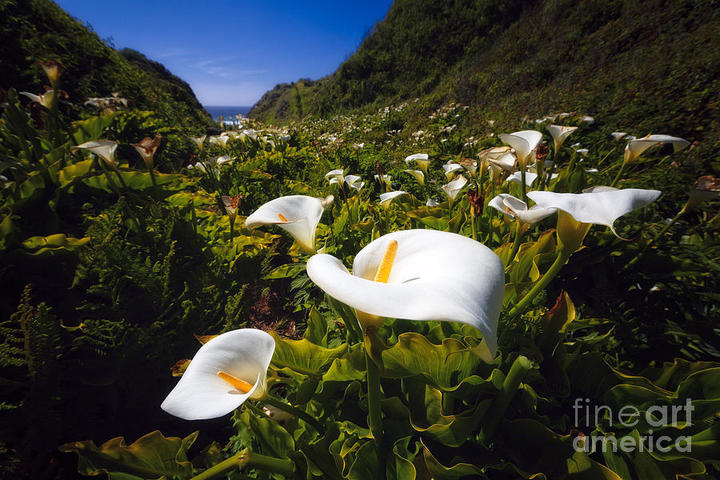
x=388, y=197
x=599, y=205
x=523, y=142
x=296, y=214
x=225, y=372
x=417, y=175
x=419, y=275
x=516, y=208
x=559, y=134
x=452, y=189
x=421, y=159
x=104, y=149
x=636, y=147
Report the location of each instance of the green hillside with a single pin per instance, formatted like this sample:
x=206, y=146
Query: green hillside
x=32, y=30
x=641, y=64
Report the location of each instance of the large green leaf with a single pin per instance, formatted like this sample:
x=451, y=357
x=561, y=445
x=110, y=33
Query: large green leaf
x=152, y=456
x=303, y=356
x=443, y=366
x=53, y=243
x=138, y=180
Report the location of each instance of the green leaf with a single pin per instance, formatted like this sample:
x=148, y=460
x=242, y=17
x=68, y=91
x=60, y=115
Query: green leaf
x=443, y=366
x=152, y=456
x=441, y=472
x=137, y=180
x=75, y=171
x=304, y=356
x=53, y=243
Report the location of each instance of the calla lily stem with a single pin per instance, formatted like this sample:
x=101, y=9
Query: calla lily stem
x=247, y=459
x=516, y=241
x=520, y=367
x=617, y=177
x=374, y=395
x=294, y=411
x=554, y=269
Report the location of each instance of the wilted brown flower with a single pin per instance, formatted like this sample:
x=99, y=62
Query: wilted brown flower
x=476, y=202
x=706, y=188
x=53, y=69
x=231, y=203
x=147, y=147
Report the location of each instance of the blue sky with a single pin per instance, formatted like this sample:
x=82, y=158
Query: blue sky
x=231, y=52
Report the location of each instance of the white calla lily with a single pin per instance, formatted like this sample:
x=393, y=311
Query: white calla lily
x=431, y=202
x=523, y=142
x=390, y=196
x=452, y=189
x=225, y=372
x=421, y=159
x=417, y=175
x=636, y=147
x=559, y=134
x=419, y=275
x=296, y=214
x=46, y=99
x=104, y=149
x=599, y=205
x=516, y=208
x=617, y=136
x=218, y=140
x=450, y=169
x=338, y=173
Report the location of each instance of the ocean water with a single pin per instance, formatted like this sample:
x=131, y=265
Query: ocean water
x=228, y=112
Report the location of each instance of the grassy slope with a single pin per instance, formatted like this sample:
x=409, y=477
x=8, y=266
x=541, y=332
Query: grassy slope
x=38, y=29
x=647, y=65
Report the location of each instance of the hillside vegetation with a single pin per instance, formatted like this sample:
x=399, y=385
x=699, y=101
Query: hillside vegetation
x=32, y=30
x=648, y=64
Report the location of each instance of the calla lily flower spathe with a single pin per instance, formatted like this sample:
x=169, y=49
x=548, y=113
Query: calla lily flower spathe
x=450, y=169
x=147, y=147
x=617, y=136
x=516, y=208
x=199, y=141
x=388, y=197
x=225, y=372
x=559, y=134
x=46, y=99
x=452, y=189
x=417, y=175
x=104, y=149
x=530, y=177
x=599, y=205
x=523, y=142
x=296, y=214
x=419, y=275
x=422, y=160
x=636, y=147
x=218, y=140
